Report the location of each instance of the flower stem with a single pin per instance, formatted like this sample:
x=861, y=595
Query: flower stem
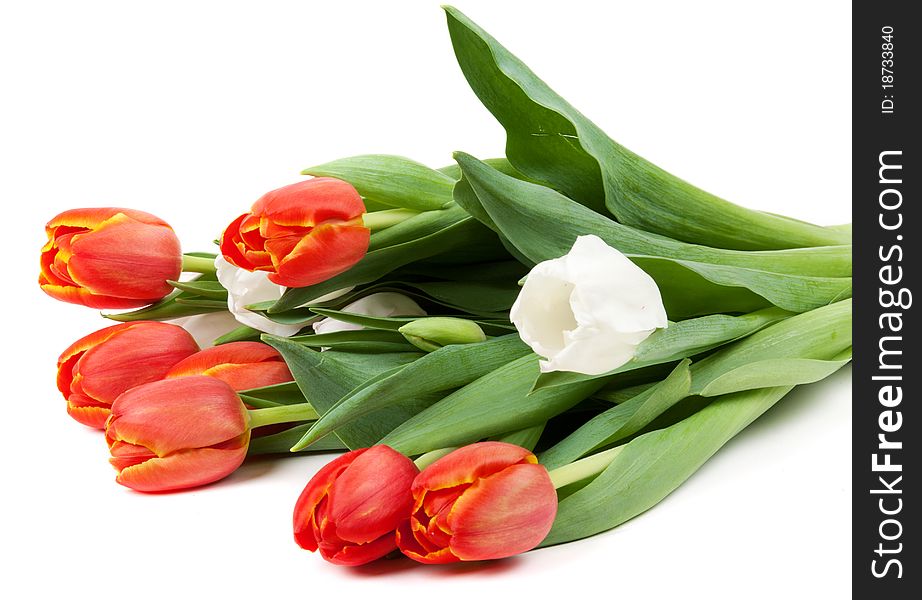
x=583, y=468
x=197, y=264
x=382, y=219
x=430, y=457
x=282, y=414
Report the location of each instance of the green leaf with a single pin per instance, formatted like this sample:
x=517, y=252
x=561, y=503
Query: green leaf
x=543, y=224
x=391, y=180
x=325, y=377
x=415, y=227
x=279, y=443
x=206, y=289
x=680, y=340
x=445, y=369
x=494, y=404
x=362, y=340
x=526, y=438
x=554, y=144
x=773, y=371
x=168, y=308
x=651, y=466
x=466, y=232
x=621, y=421
x=274, y=395
x=243, y=333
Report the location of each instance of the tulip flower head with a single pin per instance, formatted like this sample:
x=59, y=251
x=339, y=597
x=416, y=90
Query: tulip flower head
x=177, y=433
x=241, y=365
x=97, y=368
x=351, y=508
x=109, y=258
x=300, y=234
x=588, y=310
x=483, y=501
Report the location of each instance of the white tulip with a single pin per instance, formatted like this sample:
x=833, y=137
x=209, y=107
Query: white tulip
x=588, y=310
x=382, y=304
x=249, y=287
x=206, y=328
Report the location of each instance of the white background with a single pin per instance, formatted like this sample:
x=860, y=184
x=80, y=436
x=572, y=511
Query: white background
x=191, y=110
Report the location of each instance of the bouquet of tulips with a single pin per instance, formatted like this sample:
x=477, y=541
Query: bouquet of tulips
x=512, y=352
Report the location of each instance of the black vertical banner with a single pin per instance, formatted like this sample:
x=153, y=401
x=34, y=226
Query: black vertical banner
x=887, y=370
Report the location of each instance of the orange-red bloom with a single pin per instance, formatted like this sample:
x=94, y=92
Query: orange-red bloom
x=241, y=365
x=109, y=258
x=300, y=234
x=95, y=369
x=177, y=433
x=483, y=501
x=351, y=507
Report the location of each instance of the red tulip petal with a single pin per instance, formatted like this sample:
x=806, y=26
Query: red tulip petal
x=77, y=295
x=185, y=468
x=503, y=514
x=355, y=555
x=175, y=414
x=129, y=356
x=372, y=496
x=72, y=354
x=242, y=365
x=410, y=546
x=470, y=463
x=126, y=259
x=91, y=217
x=328, y=251
x=310, y=202
x=313, y=493
x=91, y=415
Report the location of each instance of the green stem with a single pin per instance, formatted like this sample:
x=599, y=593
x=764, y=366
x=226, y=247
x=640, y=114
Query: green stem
x=282, y=414
x=382, y=219
x=583, y=468
x=430, y=457
x=197, y=264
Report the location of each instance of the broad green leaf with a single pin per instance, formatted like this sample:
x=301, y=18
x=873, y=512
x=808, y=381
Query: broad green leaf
x=622, y=420
x=243, y=333
x=391, y=180
x=415, y=227
x=466, y=232
x=552, y=143
x=773, y=372
x=680, y=340
x=445, y=369
x=205, y=289
x=494, y=404
x=273, y=395
x=362, y=340
x=500, y=164
x=325, y=377
x=651, y=466
x=526, y=438
x=543, y=224
x=821, y=334
x=279, y=443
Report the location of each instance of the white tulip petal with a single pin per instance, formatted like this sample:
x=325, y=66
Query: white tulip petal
x=588, y=310
x=206, y=328
x=382, y=304
x=250, y=287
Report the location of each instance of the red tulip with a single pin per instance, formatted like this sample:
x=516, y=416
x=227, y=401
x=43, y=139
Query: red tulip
x=97, y=368
x=177, y=433
x=109, y=258
x=483, y=501
x=352, y=506
x=241, y=365
x=300, y=234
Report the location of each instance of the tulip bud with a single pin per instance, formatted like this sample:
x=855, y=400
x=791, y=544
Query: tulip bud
x=300, y=234
x=96, y=369
x=350, y=509
x=588, y=310
x=433, y=333
x=241, y=365
x=177, y=433
x=109, y=258
x=483, y=501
